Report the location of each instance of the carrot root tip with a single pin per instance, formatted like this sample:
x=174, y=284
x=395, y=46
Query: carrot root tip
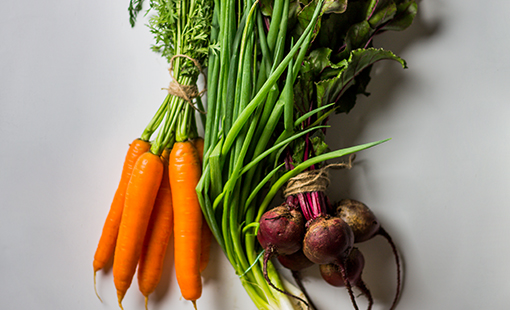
x=120, y=302
x=146, y=302
x=194, y=304
x=95, y=287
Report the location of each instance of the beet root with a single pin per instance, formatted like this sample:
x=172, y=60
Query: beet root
x=296, y=274
x=281, y=232
x=388, y=238
x=365, y=225
x=296, y=261
x=327, y=240
x=354, y=264
x=360, y=218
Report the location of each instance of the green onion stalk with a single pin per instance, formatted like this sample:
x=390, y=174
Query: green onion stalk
x=247, y=59
x=181, y=29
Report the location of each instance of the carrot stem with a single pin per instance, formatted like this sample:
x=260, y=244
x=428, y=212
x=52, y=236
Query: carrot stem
x=156, y=120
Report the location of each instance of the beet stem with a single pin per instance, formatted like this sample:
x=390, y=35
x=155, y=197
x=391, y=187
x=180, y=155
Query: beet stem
x=315, y=203
x=304, y=209
x=310, y=203
x=307, y=145
x=267, y=256
x=387, y=236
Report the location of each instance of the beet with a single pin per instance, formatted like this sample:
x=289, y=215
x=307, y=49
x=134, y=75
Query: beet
x=353, y=266
x=281, y=231
x=332, y=274
x=365, y=225
x=327, y=240
x=360, y=218
x=296, y=261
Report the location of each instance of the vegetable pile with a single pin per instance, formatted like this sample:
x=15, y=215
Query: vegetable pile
x=257, y=181
x=283, y=68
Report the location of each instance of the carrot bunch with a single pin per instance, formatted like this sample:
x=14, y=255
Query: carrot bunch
x=156, y=198
x=146, y=212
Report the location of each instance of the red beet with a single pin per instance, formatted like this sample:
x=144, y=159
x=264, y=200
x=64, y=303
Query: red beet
x=333, y=274
x=360, y=218
x=328, y=240
x=353, y=267
x=365, y=225
x=296, y=261
x=281, y=232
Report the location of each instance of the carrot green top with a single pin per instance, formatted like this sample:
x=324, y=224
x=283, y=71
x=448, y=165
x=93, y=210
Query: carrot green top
x=181, y=31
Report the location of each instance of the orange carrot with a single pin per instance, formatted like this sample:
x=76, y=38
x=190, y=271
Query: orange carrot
x=106, y=245
x=184, y=170
x=158, y=234
x=199, y=145
x=206, y=231
x=140, y=197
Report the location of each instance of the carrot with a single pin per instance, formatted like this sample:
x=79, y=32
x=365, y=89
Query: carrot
x=106, y=245
x=206, y=231
x=199, y=145
x=184, y=170
x=159, y=231
x=140, y=197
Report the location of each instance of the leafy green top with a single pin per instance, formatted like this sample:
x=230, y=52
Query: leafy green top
x=337, y=66
x=180, y=27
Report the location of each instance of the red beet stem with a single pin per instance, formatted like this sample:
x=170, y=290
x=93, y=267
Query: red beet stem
x=312, y=204
x=303, y=205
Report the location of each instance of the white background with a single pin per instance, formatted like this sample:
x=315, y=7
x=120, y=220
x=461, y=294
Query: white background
x=77, y=84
